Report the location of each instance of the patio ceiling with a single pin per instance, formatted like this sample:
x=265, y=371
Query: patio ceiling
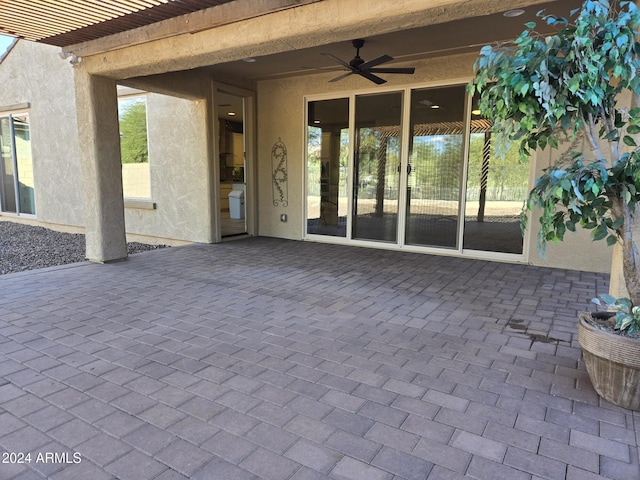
x=94, y=26
x=435, y=40
x=66, y=22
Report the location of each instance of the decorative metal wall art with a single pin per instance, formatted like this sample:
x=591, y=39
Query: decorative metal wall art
x=280, y=175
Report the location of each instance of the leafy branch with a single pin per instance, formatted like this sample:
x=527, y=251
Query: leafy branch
x=566, y=87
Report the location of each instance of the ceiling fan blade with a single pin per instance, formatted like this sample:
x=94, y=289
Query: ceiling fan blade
x=407, y=70
x=324, y=69
x=341, y=77
x=340, y=61
x=374, y=62
x=375, y=79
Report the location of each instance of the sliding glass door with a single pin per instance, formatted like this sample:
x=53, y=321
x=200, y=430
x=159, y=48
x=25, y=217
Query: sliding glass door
x=412, y=168
x=327, y=167
x=497, y=187
x=435, y=166
x=377, y=167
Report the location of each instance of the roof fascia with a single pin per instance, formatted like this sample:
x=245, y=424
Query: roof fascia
x=195, y=22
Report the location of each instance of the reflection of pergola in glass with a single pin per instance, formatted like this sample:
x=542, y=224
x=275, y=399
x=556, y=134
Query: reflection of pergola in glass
x=481, y=125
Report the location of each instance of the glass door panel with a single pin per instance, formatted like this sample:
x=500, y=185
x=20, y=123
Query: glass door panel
x=24, y=163
x=7, y=170
x=435, y=166
x=497, y=186
x=233, y=186
x=378, y=121
x=327, y=167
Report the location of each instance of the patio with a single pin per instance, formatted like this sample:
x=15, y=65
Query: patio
x=272, y=359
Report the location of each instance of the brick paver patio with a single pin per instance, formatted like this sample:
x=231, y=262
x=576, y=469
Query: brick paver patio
x=278, y=360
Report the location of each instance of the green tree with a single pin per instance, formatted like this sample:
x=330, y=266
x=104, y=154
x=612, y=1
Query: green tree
x=540, y=90
x=133, y=132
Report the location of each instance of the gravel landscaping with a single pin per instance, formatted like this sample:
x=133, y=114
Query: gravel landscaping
x=27, y=247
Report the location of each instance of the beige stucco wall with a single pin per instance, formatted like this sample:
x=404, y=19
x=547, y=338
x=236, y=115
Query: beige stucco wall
x=48, y=89
x=179, y=171
x=281, y=116
x=177, y=129
x=577, y=251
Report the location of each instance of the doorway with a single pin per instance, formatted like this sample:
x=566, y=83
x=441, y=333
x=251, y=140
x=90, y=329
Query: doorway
x=232, y=163
x=412, y=168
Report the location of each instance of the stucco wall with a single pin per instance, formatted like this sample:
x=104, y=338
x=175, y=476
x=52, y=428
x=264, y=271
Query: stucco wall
x=179, y=170
x=578, y=250
x=177, y=135
x=48, y=88
x=281, y=116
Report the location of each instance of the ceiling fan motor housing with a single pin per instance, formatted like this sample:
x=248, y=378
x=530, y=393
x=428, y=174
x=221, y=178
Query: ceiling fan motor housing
x=367, y=69
x=357, y=61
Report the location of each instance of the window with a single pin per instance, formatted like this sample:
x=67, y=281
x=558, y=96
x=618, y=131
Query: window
x=134, y=149
x=16, y=166
x=327, y=165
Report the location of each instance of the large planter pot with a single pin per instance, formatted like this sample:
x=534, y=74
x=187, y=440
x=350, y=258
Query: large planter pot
x=613, y=364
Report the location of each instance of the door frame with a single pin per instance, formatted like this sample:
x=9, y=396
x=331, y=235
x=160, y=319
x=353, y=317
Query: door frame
x=251, y=177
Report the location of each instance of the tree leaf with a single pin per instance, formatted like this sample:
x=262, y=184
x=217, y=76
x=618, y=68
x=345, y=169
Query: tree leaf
x=600, y=232
x=624, y=321
x=623, y=303
x=486, y=50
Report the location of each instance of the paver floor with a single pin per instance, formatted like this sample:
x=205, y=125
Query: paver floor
x=272, y=359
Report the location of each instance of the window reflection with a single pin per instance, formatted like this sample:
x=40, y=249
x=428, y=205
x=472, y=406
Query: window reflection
x=497, y=187
x=327, y=167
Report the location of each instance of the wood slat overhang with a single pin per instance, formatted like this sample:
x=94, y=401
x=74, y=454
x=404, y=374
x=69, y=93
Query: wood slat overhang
x=67, y=22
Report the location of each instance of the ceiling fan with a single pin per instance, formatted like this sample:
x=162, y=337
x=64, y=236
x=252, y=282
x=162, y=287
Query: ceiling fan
x=367, y=69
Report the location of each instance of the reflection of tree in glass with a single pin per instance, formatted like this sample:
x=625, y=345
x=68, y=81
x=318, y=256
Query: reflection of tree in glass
x=314, y=152
x=435, y=161
x=133, y=133
x=378, y=158
x=508, y=175
x=368, y=149
x=314, y=160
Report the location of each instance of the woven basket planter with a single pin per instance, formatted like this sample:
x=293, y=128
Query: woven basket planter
x=613, y=364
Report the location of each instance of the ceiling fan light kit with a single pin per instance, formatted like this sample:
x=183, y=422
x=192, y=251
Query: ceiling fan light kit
x=368, y=69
